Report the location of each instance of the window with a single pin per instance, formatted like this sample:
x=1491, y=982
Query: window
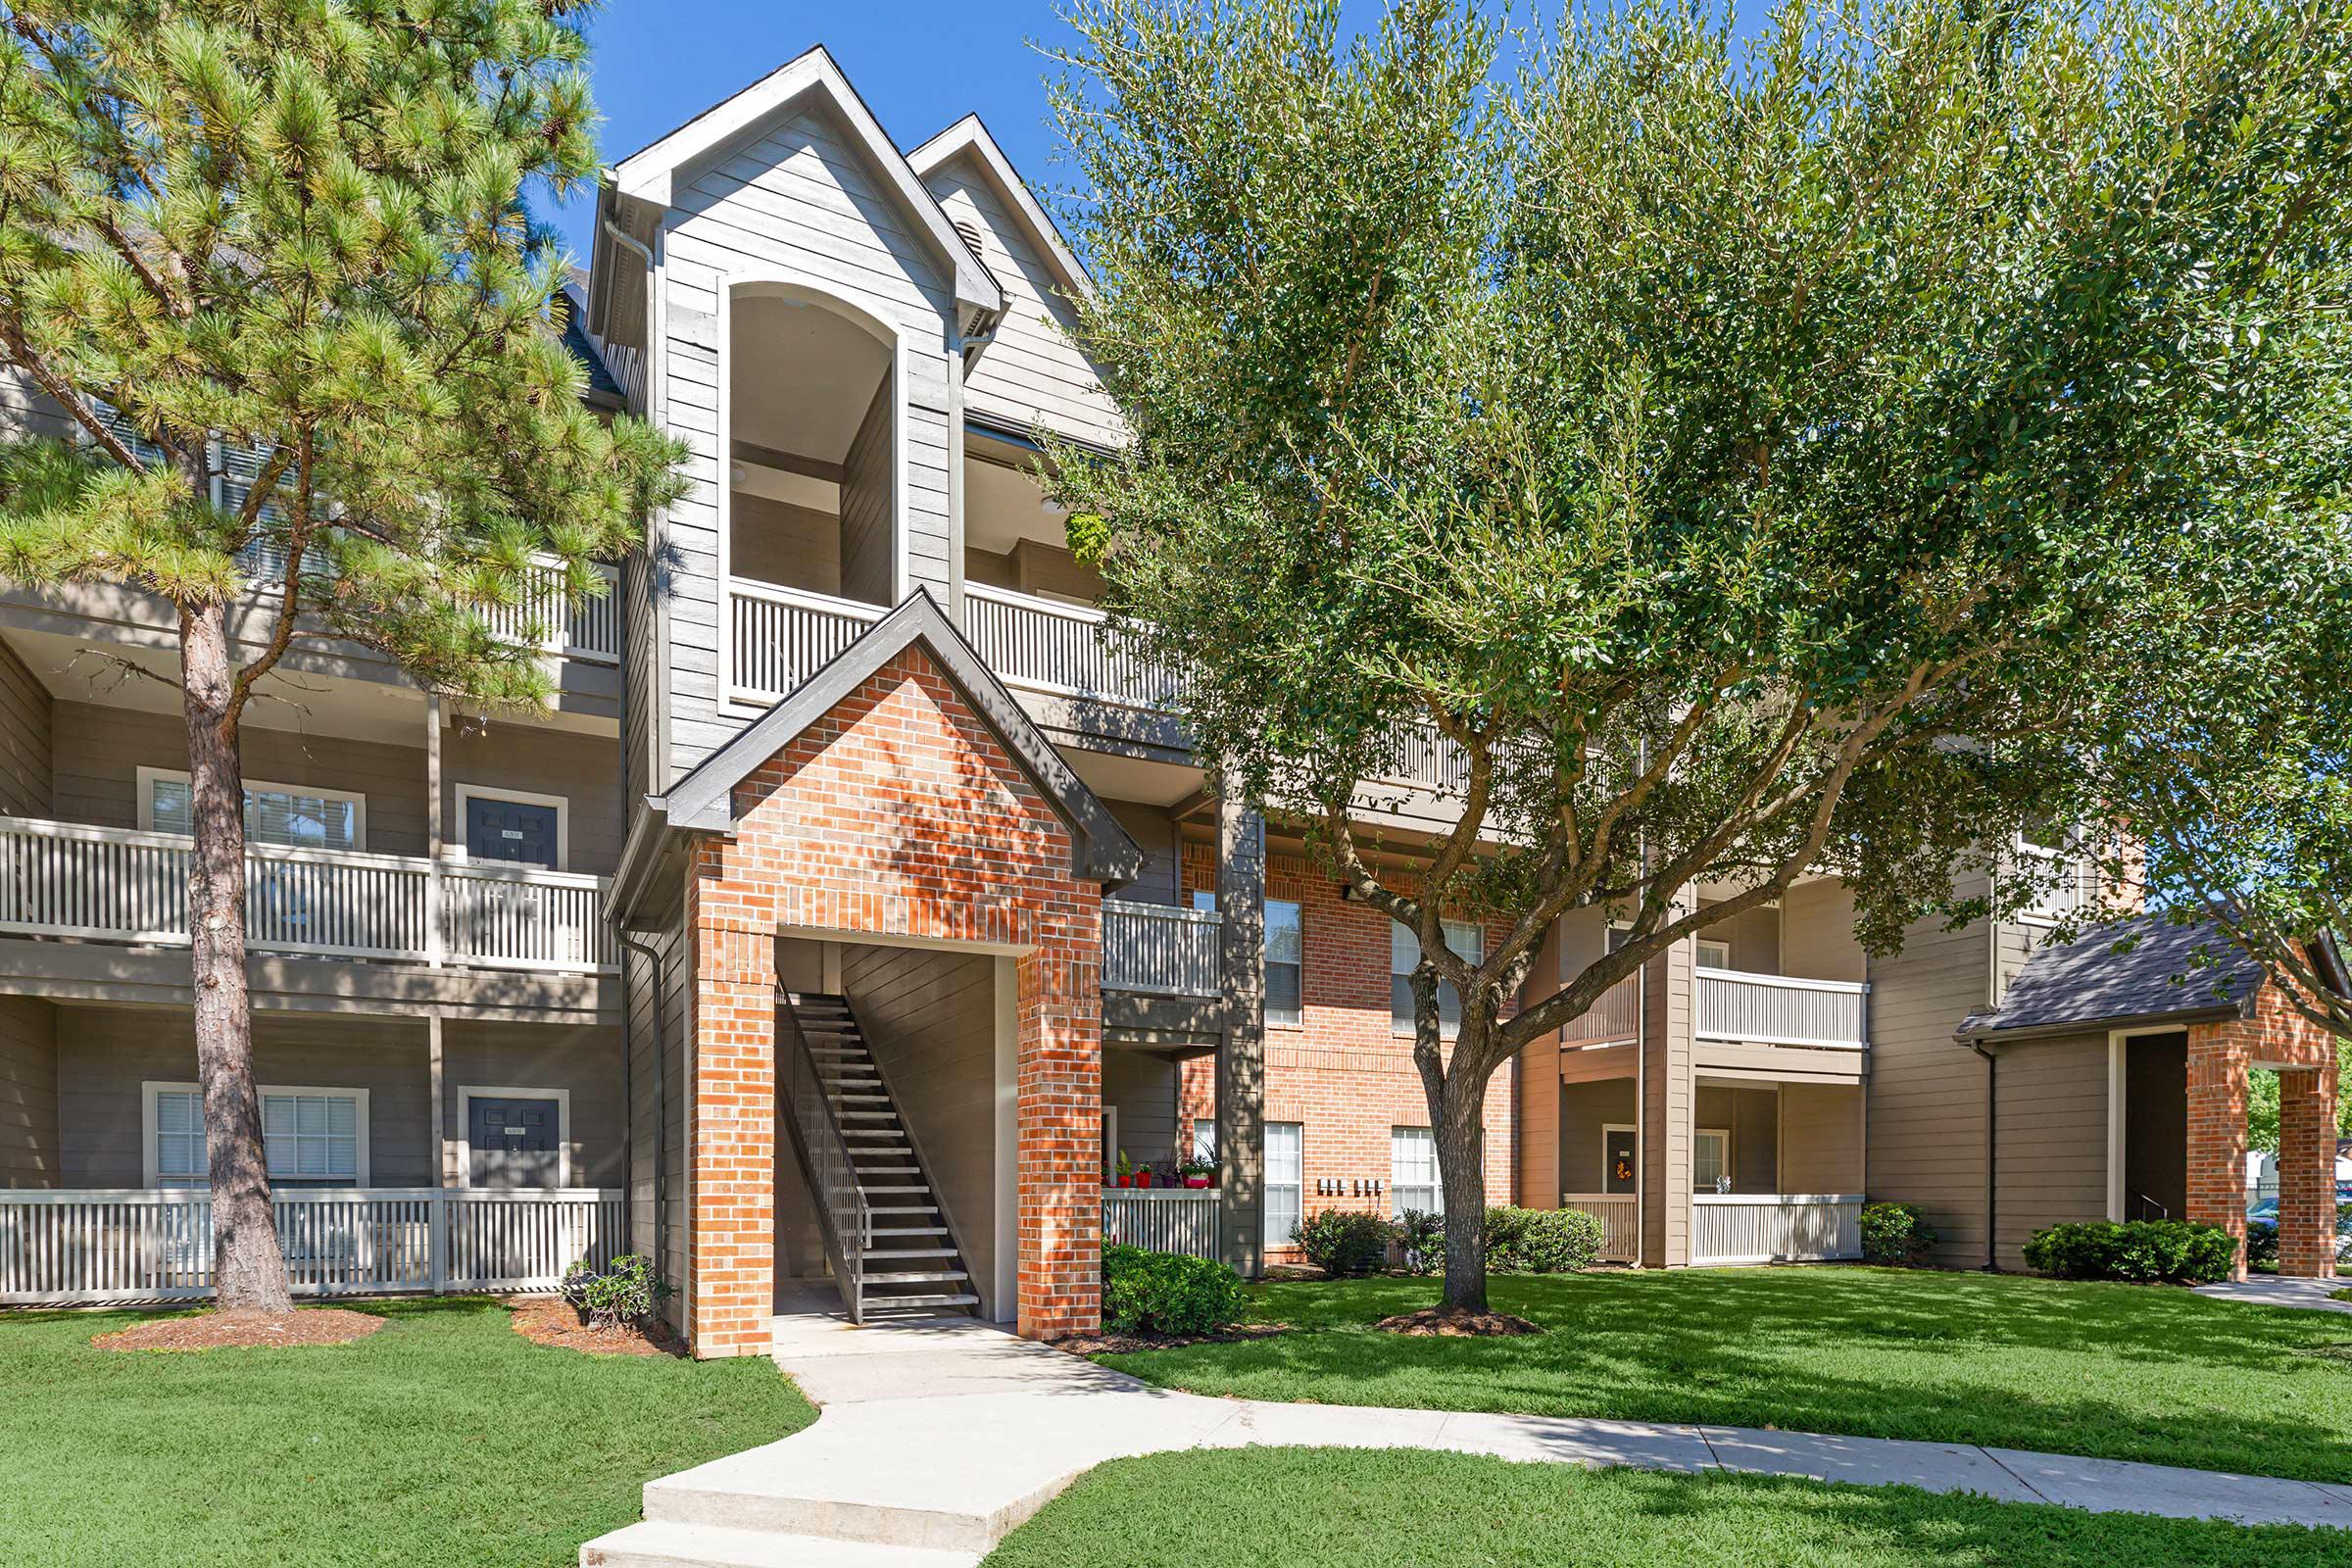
x=291, y=815
x=1413, y=1172
x=1205, y=1139
x=1714, y=953
x=1711, y=1160
x=1286, y=1181
x=1286, y=958
x=1467, y=939
x=312, y=1136
x=2051, y=852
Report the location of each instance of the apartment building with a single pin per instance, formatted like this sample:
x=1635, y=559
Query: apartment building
x=853, y=906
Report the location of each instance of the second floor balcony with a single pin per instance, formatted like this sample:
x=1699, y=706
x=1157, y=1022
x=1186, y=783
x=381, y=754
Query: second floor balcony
x=73, y=881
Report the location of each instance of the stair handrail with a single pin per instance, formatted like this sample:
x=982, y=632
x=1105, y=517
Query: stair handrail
x=826, y=1160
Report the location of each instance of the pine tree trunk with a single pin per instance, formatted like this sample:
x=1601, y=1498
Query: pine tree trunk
x=1461, y=1139
x=249, y=1268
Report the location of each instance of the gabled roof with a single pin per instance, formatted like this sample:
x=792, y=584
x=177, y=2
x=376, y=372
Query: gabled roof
x=604, y=392
x=970, y=134
x=703, y=801
x=645, y=174
x=2143, y=970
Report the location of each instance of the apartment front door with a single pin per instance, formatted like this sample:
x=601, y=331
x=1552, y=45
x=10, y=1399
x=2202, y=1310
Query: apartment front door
x=514, y=1142
x=523, y=832
x=1621, y=1160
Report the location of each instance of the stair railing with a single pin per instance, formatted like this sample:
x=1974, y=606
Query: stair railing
x=849, y=1227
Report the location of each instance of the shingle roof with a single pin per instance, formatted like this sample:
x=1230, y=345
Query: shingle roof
x=2143, y=969
x=572, y=311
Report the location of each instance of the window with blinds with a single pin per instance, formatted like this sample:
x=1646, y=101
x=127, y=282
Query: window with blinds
x=305, y=819
x=1466, y=938
x=310, y=1138
x=1286, y=958
x=1286, y=1181
x=1413, y=1172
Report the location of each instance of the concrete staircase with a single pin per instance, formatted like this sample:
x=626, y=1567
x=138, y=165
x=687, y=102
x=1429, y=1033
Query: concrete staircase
x=908, y=1263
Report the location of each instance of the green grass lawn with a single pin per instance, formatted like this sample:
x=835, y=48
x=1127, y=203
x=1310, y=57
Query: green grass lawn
x=1327, y=1507
x=2116, y=1371
x=443, y=1439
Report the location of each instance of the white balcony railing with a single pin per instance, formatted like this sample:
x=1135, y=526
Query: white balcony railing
x=779, y=637
x=1613, y=1018
x=1777, y=1009
x=1620, y=1216
x=1774, y=1228
x=71, y=1248
x=1060, y=648
x=589, y=630
x=1161, y=948
x=102, y=884
x=1161, y=1219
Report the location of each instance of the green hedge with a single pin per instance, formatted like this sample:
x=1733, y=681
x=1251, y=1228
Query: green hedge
x=1541, y=1241
x=2171, y=1251
x=1895, y=1234
x=1344, y=1242
x=1161, y=1292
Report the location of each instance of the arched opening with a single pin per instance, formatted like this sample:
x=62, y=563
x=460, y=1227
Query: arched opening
x=810, y=428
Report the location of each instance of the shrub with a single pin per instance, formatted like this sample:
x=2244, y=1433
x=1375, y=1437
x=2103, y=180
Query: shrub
x=626, y=1292
x=2262, y=1247
x=1163, y=1293
x=1541, y=1241
x=1896, y=1234
x=1344, y=1242
x=1421, y=1238
x=2143, y=1251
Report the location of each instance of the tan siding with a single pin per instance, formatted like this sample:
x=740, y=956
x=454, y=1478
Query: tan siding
x=582, y=1060
x=1538, y=1184
x=1156, y=835
x=775, y=541
x=525, y=757
x=28, y=1143
x=865, y=505
x=1144, y=1089
x=25, y=408
x=1585, y=1109
x=26, y=760
x=1817, y=933
x=104, y=1054
x=2053, y=1137
x=1926, y=1092
x=930, y=1019
x=1043, y=569
x=1820, y=1138
x=657, y=1100
x=1752, y=1117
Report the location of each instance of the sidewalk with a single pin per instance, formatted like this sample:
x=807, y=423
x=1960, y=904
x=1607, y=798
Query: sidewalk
x=2279, y=1290
x=936, y=1439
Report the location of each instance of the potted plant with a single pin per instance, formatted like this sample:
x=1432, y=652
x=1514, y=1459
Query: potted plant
x=1197, y=1172
x=1124, y=1170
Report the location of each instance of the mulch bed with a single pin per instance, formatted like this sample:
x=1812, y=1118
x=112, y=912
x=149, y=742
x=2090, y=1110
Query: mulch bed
x=243, y=1330
x=1453, y=1324
x=547, y=1320
x=1108, y=1344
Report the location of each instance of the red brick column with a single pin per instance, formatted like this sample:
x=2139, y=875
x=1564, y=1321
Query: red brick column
x=2217, y=1132
x=2307, y=1173
x=731, y=1131
x=1060, y=1114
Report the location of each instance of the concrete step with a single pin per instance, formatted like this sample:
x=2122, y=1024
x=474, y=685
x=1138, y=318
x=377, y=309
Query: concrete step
x=662, y=1544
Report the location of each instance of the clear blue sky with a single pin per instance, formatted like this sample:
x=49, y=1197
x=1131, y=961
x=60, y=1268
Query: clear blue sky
x=920, y=64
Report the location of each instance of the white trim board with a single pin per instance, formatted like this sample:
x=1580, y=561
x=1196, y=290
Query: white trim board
x=455, y=848
x=149, y=1088
x=466, y=1093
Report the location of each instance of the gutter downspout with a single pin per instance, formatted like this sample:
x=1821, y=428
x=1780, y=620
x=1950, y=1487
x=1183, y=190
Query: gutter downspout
x=652, y=956
x=1992, y=1152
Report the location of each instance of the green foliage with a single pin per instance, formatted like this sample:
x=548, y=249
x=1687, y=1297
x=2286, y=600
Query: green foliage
x=2142, y=1251
x=1344, y=1242
x=1541, y=1241
x=1421, y=1238
x=1163, y=1293
x=1896, y=1235
x=2262, y=1245
x=1754, y=458
x=300, y=232
x=627, y=1291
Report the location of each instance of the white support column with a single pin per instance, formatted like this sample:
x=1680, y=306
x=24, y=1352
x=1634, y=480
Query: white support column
x=434, y=940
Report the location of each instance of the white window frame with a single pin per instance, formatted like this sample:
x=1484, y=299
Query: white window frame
x=1396, y=1184
x=1300, y=1022
x=468, y=794
x=1266, y=1230
x=1724, y=1135
x=150, y=1153
x=356, y=800
x=469, y=1092
x=1204, y=1147
x=1402, y=1028
x=1721, y=944
x=1608, y=1128
x=2070, y=853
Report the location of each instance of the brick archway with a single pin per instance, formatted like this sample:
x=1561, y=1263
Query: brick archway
x=898, y=813
x=2220, y=1056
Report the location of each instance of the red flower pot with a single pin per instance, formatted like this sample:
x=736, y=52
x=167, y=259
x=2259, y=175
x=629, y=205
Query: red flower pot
x=1143, y=1178
x=1195, y=1181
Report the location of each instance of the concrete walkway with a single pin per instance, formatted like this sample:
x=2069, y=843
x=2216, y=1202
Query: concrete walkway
x=938, y=1437
x=2279, y=1290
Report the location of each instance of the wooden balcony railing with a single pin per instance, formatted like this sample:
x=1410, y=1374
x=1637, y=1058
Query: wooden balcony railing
x=1161, y=1219
x=102, y=884
x=1616, y=1016
x=1777, y=1009
x=779, y=637
x=1774, y=1228
x=1161, y=948
x=1060, y=648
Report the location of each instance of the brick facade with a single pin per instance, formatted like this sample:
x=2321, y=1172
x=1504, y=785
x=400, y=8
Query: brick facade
x=897, y=814
x=1342, y=1074
x=2220, y=1056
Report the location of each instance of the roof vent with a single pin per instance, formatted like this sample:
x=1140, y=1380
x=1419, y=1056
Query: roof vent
x=970, y=233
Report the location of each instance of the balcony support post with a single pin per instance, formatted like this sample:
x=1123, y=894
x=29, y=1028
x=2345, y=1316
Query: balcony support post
x=1242, y=1046
x=433, y=941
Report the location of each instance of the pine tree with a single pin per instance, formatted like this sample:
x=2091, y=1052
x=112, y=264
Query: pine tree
x=274, y=260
